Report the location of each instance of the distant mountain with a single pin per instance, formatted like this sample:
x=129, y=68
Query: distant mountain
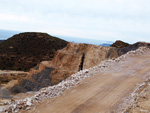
x=25, y=50
x=105, y=44
x=85, y=40
x=1, y=41
x=5, y=34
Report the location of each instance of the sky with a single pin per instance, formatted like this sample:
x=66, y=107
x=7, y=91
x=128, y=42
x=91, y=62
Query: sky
x=110, y=20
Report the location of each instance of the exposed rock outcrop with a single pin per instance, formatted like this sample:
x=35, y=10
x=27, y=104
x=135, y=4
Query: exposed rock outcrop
x=66, y=62
x=25, y=50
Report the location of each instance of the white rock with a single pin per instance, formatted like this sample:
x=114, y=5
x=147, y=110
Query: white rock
x=28, y=102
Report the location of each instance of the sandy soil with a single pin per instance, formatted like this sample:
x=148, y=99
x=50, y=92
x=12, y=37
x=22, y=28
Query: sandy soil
x=101, y=93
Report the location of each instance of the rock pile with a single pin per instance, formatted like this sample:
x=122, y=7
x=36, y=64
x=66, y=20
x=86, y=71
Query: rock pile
x=73, y=80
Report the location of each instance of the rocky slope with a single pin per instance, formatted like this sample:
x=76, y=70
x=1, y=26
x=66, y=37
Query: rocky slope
x=120, y=44
x=25, y=50
x=123, y=48
x=54, y=91
x=71, y=59
x=67, y=61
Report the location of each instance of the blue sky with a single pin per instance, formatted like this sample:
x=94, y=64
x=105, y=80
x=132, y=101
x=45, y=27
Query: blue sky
x=127, y=20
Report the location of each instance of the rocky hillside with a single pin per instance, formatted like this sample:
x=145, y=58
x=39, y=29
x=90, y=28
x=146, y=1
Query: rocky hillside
x=25, y=50
x=119, y=44
x=123, y=48
x=66, y=62
x=71, y=59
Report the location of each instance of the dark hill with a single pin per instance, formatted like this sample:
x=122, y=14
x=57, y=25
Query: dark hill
x=135, y=46
x=123, y=47
x=25, y=50
x=120, y=44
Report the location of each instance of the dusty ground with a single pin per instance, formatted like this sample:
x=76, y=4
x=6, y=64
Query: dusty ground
x=102, y=93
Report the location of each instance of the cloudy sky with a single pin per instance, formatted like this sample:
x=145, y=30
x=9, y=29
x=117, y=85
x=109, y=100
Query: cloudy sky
x=127, y=20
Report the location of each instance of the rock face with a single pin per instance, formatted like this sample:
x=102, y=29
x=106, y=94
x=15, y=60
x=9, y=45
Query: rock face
x=71, y=59
x=25, y=50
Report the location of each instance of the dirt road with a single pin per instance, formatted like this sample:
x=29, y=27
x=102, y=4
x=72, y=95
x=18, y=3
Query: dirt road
x=103, y=92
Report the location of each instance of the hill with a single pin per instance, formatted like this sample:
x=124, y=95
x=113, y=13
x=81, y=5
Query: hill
x=25, y=50
x=120, y=44
x=5, y=34
x=123, y=47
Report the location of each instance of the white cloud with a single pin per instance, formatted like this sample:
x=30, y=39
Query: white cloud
x=103, y=19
